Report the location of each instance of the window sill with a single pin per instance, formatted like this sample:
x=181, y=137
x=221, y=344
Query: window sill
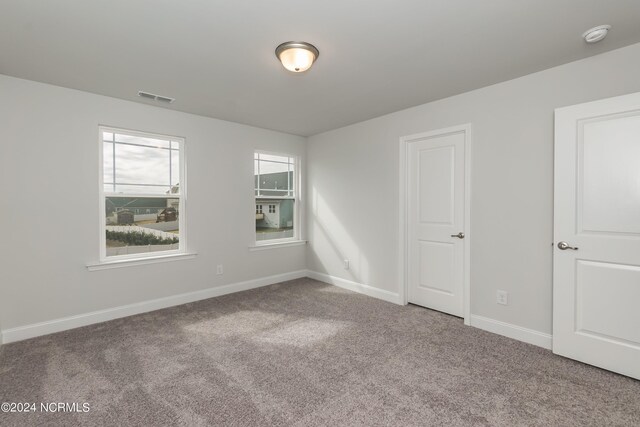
x=264, y=246
x=139, y=261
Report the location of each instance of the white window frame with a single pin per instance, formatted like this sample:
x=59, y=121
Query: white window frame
x=182, y=197
x=297, y=198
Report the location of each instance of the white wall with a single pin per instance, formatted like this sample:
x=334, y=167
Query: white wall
x=353, y=184
x=48, y=170
x=49, y=175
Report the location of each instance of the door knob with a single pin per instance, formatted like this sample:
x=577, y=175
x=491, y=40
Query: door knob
x=460, y=235
x=564, y=246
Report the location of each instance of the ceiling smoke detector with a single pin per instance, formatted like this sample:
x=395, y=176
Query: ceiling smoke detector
x=596, y=34
x=154, y=97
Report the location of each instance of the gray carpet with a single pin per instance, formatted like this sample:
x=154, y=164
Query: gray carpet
x=305, y=353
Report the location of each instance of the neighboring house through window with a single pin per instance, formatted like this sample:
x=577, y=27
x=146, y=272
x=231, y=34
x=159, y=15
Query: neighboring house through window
x=141, y=194
x=276, y=178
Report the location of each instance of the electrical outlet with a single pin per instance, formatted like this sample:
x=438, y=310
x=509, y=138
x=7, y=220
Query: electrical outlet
x=502, y=297
x=219, y=269
x=346, y=264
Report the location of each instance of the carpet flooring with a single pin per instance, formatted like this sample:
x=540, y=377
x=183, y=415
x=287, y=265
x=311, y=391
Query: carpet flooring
x=303, y=353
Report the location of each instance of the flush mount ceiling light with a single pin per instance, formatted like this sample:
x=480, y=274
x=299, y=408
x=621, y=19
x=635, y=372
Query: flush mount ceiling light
x=297, y=56
x=596, y=34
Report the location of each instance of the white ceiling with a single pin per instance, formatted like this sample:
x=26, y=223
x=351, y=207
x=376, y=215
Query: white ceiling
x=216, y=57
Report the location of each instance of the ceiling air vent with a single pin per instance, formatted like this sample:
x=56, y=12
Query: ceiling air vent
x=155, y=97
x=164, y=99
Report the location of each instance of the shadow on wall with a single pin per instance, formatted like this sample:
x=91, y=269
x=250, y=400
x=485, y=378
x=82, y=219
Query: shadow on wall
x=330, y=237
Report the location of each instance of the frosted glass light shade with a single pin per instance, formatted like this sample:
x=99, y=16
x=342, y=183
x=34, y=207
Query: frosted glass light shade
x=297, y=56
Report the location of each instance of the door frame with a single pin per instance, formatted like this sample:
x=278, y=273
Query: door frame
x=404, y=211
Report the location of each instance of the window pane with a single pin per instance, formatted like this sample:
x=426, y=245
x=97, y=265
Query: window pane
x=272, y=167
x=274, y=219
x=140, y=189
x=142, y=140
x=273, y=158
x=141, y=224
x=142, y=165
x=274, y=175
x=175, y=167
x=107, y=156
x=146, y=172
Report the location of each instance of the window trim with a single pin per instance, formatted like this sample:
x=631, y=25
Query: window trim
x=276, y=245
x=182, y=196
x=297, y=203
x=140, y=261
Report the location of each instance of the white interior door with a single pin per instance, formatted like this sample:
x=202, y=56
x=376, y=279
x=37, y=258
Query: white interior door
x=436, y=220
x=596, y=277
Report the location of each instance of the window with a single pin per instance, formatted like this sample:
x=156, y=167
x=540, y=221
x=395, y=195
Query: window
x=276, y=178
x=142, y=199
x=258, y=209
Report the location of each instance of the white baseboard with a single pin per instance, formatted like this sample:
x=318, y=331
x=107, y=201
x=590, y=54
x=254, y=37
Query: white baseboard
x=71, y=322
x=356, y=287
x=58, y=325
x=512, y=331
x=495, y=326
